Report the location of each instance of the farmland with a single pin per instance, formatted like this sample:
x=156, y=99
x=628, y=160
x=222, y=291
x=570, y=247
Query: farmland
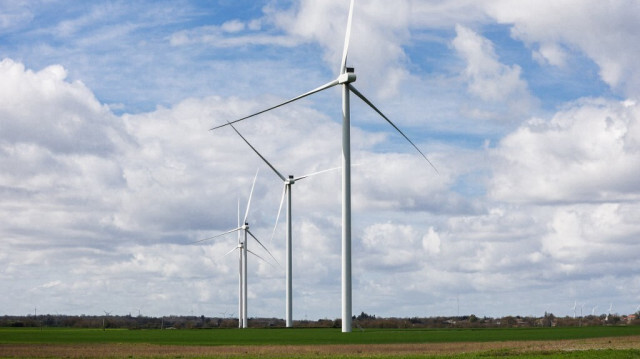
x=562, y=342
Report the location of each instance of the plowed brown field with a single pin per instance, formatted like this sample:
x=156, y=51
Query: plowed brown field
x=146, y=350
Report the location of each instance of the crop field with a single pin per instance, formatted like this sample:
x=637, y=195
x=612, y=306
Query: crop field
x=586, y=342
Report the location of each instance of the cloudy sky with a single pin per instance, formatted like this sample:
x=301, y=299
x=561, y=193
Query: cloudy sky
x=527, y=109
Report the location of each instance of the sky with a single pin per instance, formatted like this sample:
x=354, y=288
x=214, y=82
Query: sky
x=528, y=110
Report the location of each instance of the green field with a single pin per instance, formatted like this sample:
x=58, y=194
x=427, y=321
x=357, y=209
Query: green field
x=130, y=340
x=302, y=336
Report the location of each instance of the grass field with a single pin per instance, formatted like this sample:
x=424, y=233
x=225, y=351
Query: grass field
x=586, y=342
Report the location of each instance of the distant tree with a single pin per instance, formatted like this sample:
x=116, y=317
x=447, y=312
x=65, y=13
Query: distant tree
x=364, y=316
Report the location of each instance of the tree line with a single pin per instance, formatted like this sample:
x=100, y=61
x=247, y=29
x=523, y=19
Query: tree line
x=361, y=321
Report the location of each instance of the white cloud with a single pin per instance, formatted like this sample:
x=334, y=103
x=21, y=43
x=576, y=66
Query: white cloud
x=603, y=31
x=233, y=26
x=14, y=15
x=586, y=153
x=431, y=241
x=552, y=54
x=376, y=39
x=62, y=116
x=488, y=78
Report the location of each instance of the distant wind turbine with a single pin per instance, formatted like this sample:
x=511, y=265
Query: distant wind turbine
x=242, y=247
x=103, y=319
x=345, y=78
x=609, y=312
x=288, y=182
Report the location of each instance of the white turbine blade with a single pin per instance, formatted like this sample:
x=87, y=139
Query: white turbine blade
x=318, y=89
x=317, y=173
x=353, y=89
x=239, y=225
x=264, y=260
x=216, y=236
x=231, y=251
x=246, y=213
x=262, y=245
x=258, y=153
x=284, y=192
x=347, y=36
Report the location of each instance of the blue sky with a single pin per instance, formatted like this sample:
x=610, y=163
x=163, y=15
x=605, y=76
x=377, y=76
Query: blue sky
x=528, y=110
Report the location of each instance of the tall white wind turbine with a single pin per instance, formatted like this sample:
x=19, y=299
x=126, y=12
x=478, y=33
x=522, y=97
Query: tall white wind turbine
x=244, y=233
x=288, y=182
x=346, y=77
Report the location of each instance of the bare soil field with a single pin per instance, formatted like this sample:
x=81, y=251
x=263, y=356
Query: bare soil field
x=390, y=350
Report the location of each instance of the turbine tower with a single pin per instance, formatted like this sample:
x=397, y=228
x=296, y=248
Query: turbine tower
x=288, y=181
x=345, y=78
x=243, y=250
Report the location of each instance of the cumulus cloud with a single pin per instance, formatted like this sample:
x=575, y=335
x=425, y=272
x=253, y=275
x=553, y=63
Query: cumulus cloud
x=586, y=153
x=62, y=116
x=605, y=32
x=487, y=77
x=431, y=241
x=376, y=38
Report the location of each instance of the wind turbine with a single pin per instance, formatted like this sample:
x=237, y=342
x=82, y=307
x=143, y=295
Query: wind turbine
x=609, y=312
x=345, y=78
x=288, y=181
x=107, y=314
x=242, y=247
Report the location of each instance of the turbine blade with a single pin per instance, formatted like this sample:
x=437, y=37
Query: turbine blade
x=347, y=36
x=262, y=245
x=239, y=225
x=264, y=260
x=246, y=213
x=216, y=236
x=284, y=192
x=231, y=251
x=318, y=89
x=317, y=173
x=257, y=153
x=363, y=98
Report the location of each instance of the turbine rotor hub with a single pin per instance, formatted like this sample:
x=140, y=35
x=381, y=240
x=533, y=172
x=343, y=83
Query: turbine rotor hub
x=347, y=77
x=290, y=180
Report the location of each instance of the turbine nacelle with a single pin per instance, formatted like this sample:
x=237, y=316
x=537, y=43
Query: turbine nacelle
x=347, y=77
x=290, y=180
